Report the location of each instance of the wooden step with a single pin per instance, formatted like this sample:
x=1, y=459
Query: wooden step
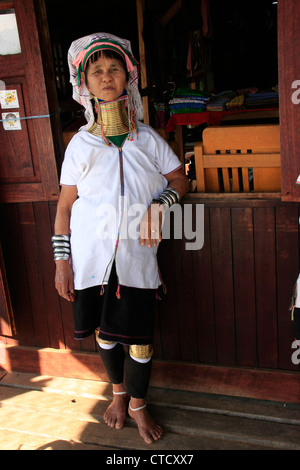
x=58, y=413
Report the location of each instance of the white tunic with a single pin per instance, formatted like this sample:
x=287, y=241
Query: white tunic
x=115, y=187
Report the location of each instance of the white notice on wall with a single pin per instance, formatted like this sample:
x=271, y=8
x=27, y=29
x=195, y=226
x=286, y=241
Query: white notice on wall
x=9, y=34
x=11, y=121
x=9, y=99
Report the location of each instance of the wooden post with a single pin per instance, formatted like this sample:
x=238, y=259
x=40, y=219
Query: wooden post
x=289, y=106
x=7, y=323
x=143, y=66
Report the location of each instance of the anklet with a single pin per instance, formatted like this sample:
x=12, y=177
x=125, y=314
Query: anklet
x=119, y=393
x=139, y=408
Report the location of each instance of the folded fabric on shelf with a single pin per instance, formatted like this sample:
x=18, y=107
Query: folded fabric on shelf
x=186, y=100
x=218, y=102
x=236, y=103
x=262, y=99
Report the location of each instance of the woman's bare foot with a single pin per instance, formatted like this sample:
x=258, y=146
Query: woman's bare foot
x=115, y=414
x=149, y=430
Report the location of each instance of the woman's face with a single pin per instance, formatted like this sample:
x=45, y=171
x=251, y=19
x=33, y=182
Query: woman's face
x=106, y=78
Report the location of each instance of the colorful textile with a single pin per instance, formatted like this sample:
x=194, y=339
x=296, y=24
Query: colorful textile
x=218, y=102
x=186, y=100
x=262, y=99
x=82, y=58
x=236, y=103
x=213, y=118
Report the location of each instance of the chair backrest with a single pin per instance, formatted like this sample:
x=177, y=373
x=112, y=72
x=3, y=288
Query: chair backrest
x=239, y=159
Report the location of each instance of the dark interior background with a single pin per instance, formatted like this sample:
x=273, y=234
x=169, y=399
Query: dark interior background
x=240, y=52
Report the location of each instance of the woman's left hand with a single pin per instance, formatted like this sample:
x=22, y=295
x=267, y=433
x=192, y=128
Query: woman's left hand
x=151, y=224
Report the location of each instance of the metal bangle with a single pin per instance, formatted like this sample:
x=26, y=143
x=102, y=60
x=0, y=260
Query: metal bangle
x=167, y=196
x=175, y=193
x=61, y=247
x=173, y=196
x=60, y=238
x=161, y=202
x=64, y=257
x=170, y=197
x=165, y=200
x=61, y=250
x=60, y=243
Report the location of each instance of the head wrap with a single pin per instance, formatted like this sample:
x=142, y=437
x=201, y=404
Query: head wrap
x=78, y=55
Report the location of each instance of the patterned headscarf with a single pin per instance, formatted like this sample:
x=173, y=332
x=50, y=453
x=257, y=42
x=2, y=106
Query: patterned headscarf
x=78, y=55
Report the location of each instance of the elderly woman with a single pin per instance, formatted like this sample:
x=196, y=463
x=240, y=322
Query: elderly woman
x=114, y=168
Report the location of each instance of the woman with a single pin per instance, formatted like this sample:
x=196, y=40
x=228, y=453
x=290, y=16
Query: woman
x=115, y=169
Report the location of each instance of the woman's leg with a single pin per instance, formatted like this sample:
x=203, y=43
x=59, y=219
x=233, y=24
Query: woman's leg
x=112, y=356
x=137, y=372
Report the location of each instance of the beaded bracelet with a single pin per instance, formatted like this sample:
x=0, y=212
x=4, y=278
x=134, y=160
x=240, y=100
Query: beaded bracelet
x=61, y=247
x=168, y=197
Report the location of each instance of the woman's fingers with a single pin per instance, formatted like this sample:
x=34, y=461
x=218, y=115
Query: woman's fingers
x=150, y=227
x=64, y=283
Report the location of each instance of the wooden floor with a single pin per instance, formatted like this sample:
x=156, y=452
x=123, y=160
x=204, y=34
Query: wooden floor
x=51, y=413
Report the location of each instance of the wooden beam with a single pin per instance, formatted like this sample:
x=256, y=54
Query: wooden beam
x=265, y=384
x=263, y=160
x=6, y=5
x=171, y=12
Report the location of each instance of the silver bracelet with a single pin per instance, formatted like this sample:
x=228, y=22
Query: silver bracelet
x=63, y=257
x=61, y=247
x=60, y=238
x=175, y=193
x=168, y=197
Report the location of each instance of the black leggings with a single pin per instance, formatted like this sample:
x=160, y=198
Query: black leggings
x=121, y=368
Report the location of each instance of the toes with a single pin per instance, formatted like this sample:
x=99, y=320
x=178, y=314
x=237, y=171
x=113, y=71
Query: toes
x=148, y=440
x=118, y=425
x=147, y=437
x=148, y=429
x=157, y=433
x=107, y=420
x=113, y=422
x=152, y=434
x=114, y=419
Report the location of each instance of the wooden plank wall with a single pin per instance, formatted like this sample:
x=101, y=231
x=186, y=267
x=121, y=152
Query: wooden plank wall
x=227, y=304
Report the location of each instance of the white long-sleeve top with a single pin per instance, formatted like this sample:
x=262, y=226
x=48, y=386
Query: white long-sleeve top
x=115, y=187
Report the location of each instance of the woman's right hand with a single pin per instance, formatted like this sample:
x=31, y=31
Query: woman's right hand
x=64, y=280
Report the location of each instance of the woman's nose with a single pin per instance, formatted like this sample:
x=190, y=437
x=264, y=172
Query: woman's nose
x=106, y=77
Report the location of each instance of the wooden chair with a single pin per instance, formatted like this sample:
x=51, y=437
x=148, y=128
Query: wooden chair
x=239, y=159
